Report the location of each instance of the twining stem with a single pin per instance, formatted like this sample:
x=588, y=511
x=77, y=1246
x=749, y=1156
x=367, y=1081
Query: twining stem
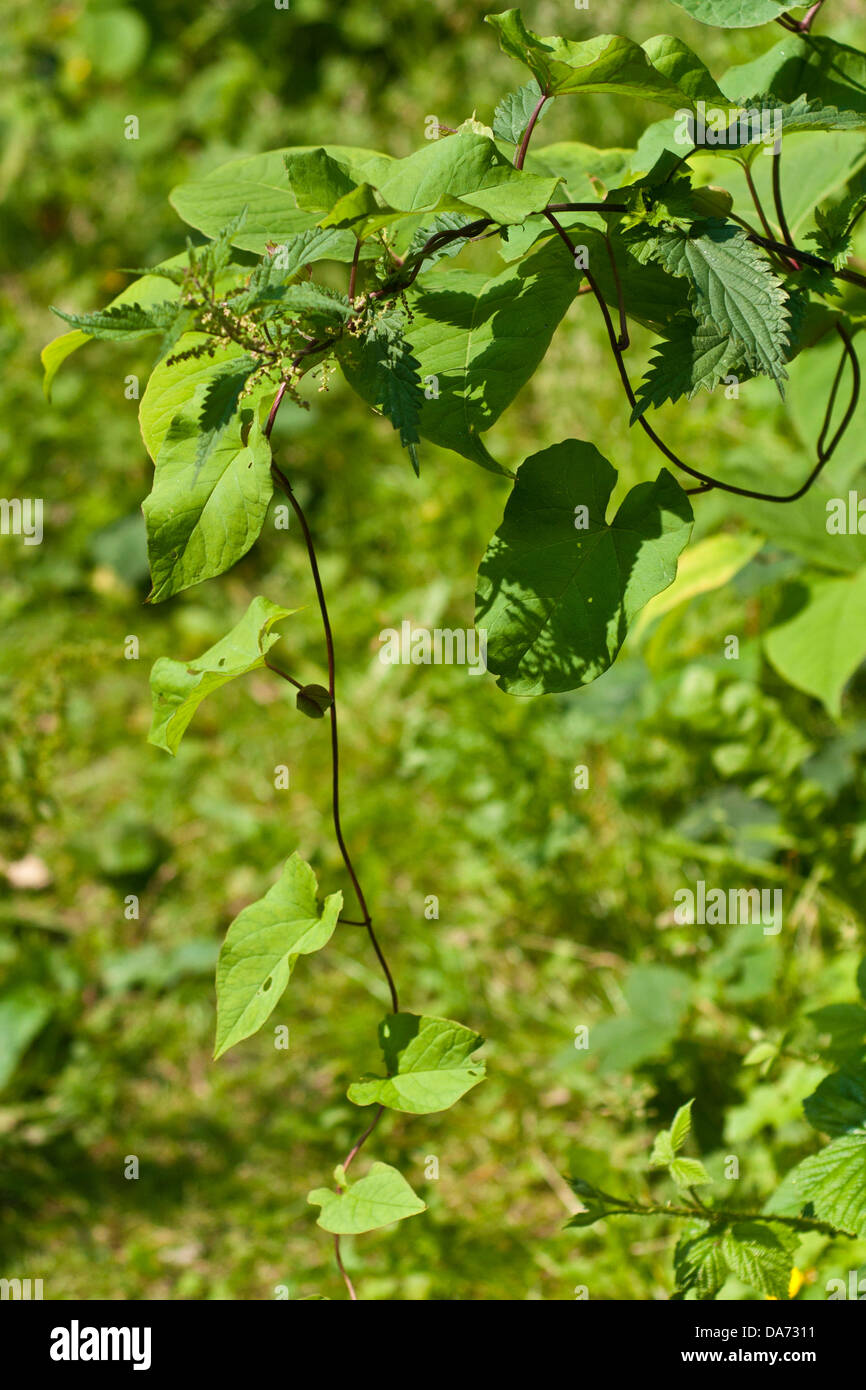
x=285, y=486
x=708, y=483
x=283, y=483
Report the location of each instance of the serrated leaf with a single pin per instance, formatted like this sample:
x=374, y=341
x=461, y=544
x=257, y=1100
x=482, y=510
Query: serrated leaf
x=733, y=289
x=262, y=946
x=514, y=111
x=734, y=14
x=699, y=1263
x=761, y=1255
x=833, y=235
x=429, y=1065
x=178, y=687
x=556, y=598
x=695, y=357
x=822, y=645
x=688, y=1172
x=123, y=323
x=202, y=519
x=681, y=1126
x=378, y=1199
x=662, y=1150
x=396, y=383
x=664, y=69
x=832, y=1183
x=838, y=1105
x=443, y=222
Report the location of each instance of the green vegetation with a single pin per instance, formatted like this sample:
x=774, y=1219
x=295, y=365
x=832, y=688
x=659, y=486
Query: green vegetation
x=522, y=857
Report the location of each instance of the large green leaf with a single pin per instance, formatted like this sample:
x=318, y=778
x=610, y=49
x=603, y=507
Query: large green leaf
x=664, y=69
x=823, y=644
x=260, y=183
x=262, y=946
x=429, y=1065
x=466, y=170
x=481, y=337
x=557, y=596
x=174, y=386
x=381, y=1197
x=178, y=687
x=818, y=68
x=201, y=518
x=734, y=14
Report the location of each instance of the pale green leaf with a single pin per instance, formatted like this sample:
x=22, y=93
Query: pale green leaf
x=832, y=1183
x=429, y=1065
x=705, y=566
x=262, y=946
x=381, y=1197
x=514, y=112
x=681, y=1126
x=699, y=1264
x=823, y=644
x=688, y=1172
x=178, y=687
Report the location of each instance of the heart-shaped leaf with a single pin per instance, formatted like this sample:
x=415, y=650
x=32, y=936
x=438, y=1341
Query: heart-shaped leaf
x=428, y=1063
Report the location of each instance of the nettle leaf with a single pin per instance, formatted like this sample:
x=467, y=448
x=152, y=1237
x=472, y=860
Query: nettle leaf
x=839, y=1103
x=178, y=687
x=664, y=69
x=514, y=111
x=261, y=185
x=699, y=1263
x=272, y=276
x=443, y=222
x=428, y=1062
x=123, y=323
x=820, y=648
x=834, y=224
x=396, y=384
x=202, y=519
x=733, y=288
x=262, y=946
x=695, y=357
x=734, y=14
x=480, y=339
x=761, y=1255
x=559, y=584
x=378, y=1199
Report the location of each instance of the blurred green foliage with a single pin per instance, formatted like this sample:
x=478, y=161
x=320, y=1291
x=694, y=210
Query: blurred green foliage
x=555, y=904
